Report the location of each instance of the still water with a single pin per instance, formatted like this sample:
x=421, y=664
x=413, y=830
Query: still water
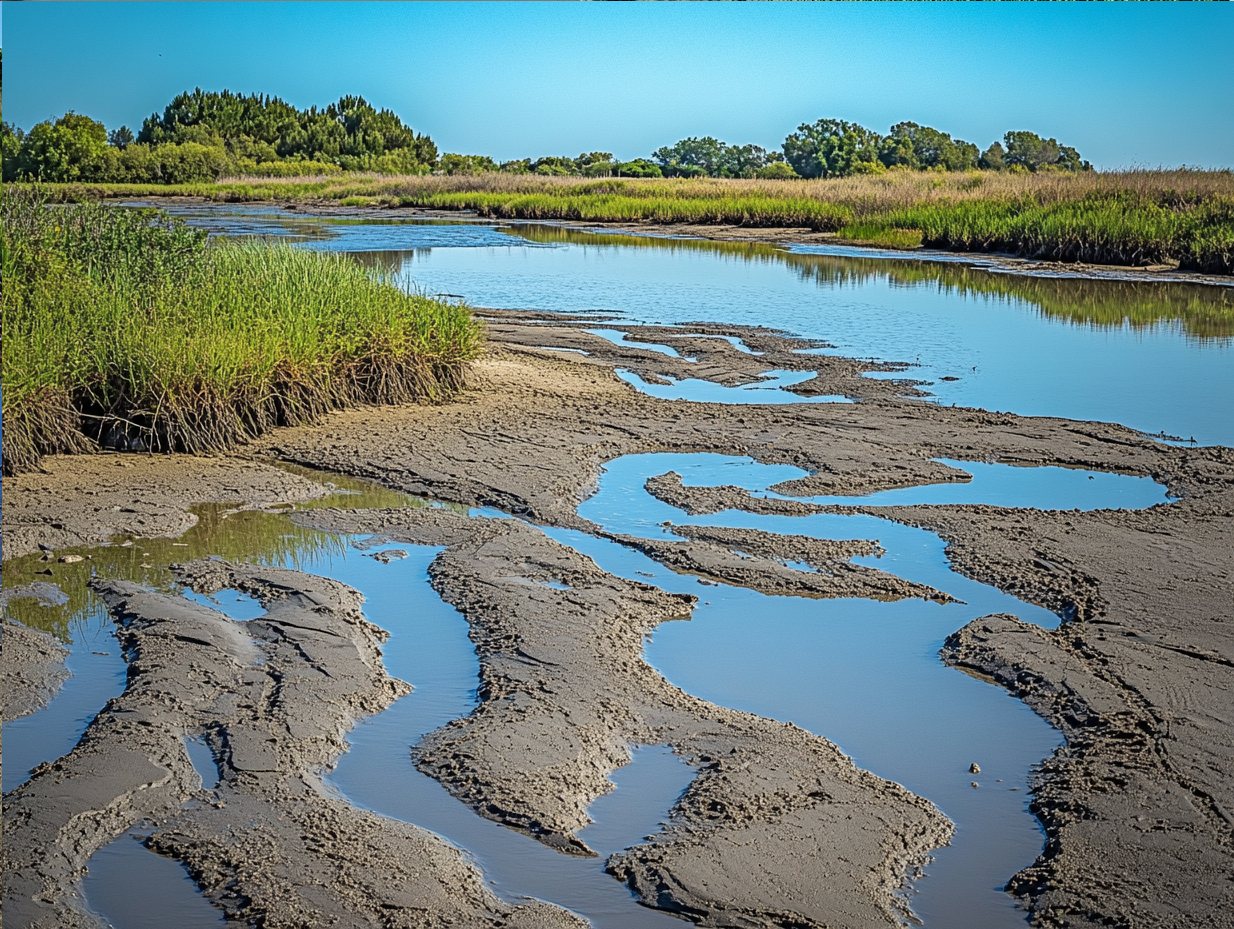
x=1152, y=356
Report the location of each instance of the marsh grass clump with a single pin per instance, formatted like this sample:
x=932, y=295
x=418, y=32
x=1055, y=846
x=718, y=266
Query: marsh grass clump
x=129, y=330
x=882, y=236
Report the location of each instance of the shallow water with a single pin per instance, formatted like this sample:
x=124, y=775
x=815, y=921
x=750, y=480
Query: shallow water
x=862, y=673
x=846, y=669
x=769, y=391
x=428, y=647
x=1152, y=356
x=167, y=897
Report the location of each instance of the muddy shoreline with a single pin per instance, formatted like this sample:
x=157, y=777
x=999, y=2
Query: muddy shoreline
x=1137, y=806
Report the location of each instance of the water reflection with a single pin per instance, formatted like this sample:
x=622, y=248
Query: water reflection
x=1202, y=311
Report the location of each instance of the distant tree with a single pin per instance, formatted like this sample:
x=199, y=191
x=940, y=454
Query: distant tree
x=692, y=157
x=454, y=164
x=521, y=166
x=776, y=171
x=69, y=149
x=350, y=133
x=120, y=138
x=555, y=166
x=915, y=146
x=993, y=158
x=1031, y=151
x=595, y=164
x=696, y=157
x=10, y=146
x=830, y=148
x=639, y=167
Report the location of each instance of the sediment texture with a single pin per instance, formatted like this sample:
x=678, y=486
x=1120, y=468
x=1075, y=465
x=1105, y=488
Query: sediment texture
x=273, y=698
x=778, y=828
x=85, y=500
x=755, y=559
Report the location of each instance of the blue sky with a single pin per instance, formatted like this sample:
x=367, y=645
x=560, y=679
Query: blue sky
x=1126, y=83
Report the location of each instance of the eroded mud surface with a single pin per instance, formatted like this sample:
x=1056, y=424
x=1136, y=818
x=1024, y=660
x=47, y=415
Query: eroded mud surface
x=273, y=698
x=1140, y=678
x=777, y=826
x=87, y=499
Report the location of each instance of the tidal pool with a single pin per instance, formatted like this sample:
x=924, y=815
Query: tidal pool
x=863, y=673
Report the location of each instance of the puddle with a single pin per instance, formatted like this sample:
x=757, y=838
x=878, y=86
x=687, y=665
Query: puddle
x=202, y=759
x=768, y=391
x=98, y=673
x=234, y=603
x=164, y=896
x=617, y=337
x=556, y=348
x=865, y=674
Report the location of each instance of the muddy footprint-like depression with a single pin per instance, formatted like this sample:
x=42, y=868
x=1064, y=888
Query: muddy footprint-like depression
x=744, y=585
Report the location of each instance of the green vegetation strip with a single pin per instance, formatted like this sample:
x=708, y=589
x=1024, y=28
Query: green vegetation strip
x=1178, y=217
x=128, y=329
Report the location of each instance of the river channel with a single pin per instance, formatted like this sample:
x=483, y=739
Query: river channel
x=863, y=673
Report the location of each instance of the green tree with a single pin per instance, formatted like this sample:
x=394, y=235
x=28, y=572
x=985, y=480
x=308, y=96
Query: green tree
x=555, y=166
x=993, y=158
x=350, y=133
x=639, y=167
x=830, y=148
x=69, y=149
x=452, y=163
x=10, y=146
x=1031, y=151
x=915, y=146
x=692, y=157
x=777, y=171
x=120, y=138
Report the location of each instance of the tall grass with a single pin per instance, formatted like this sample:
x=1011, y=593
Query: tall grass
x=1121, y=217
x=130, y=330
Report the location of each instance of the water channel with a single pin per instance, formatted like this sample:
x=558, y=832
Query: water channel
x=864, y=674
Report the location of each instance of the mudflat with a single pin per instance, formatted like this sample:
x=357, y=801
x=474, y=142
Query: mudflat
x=778, y=827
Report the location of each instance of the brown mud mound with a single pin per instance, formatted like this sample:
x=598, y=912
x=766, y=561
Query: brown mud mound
x=703, y=501
x=757, y=560
x=702, y=357
x=273, y=698
x=778, y=828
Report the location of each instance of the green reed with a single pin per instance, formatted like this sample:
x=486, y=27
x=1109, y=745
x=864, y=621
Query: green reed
x=130, y=329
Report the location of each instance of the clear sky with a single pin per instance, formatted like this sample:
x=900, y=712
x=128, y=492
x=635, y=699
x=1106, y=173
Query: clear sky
x=1125, y=83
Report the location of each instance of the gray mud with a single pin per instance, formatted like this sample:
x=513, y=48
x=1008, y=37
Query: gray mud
x=273, y=698
x=1140, y=677
x=565, y=690
x=757, y=560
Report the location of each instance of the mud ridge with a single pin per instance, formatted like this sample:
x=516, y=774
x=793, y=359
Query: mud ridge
x=274, y=699
x=778, y=827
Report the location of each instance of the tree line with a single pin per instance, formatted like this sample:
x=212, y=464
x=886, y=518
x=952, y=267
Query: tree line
x=203, y=136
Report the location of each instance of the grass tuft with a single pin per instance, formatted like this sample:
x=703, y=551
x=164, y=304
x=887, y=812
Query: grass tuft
x=129, y=330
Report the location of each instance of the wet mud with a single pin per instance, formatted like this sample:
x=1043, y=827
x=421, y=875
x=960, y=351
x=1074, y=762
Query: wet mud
x=273, y=698
x=1140, y=677
x=564, y=691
